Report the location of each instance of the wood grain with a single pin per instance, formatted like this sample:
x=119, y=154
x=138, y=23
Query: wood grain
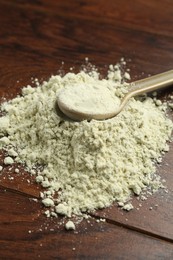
x=35, y=37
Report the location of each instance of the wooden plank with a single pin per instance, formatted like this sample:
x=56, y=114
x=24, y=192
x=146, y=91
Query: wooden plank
x=139, y=16
x=31, y=235
x=33, y=42
x=17, y=207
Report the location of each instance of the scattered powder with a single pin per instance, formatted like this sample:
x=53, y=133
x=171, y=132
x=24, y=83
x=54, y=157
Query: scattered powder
x=4, y=140
x=16, y=170
x=47, y=213
x=85, y=166
x=8, y=160
x=128, y=206
x=48, y=202
x=158, y=102
x=100, y=220
x=171, y=105
x=12, y=152
x=70, y=225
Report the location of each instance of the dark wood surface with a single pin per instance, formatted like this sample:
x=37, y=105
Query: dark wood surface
x=35, y=37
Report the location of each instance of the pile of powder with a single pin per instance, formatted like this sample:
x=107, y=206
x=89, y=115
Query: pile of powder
x=85, y=166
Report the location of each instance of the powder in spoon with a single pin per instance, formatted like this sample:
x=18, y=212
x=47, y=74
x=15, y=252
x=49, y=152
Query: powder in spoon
x=89, y=165
x=89, y=99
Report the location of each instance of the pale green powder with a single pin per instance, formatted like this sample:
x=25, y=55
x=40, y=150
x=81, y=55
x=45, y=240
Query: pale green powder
x=89, y=164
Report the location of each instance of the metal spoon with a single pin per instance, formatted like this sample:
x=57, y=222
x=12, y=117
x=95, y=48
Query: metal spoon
x=138, y=87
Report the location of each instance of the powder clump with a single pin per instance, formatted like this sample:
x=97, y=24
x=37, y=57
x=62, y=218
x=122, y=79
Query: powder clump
x=89, y=165
x=70, y=225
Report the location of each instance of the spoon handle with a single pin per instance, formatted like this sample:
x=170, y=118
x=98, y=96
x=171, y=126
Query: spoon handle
x=142, y=86
x=152, y=83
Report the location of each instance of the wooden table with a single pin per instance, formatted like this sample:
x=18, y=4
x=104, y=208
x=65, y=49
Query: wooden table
x=35, y=37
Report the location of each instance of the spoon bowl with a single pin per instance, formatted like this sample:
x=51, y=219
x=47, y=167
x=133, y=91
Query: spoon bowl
x=93, y=104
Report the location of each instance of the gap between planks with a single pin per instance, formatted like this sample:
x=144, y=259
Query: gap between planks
x=113, y=222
